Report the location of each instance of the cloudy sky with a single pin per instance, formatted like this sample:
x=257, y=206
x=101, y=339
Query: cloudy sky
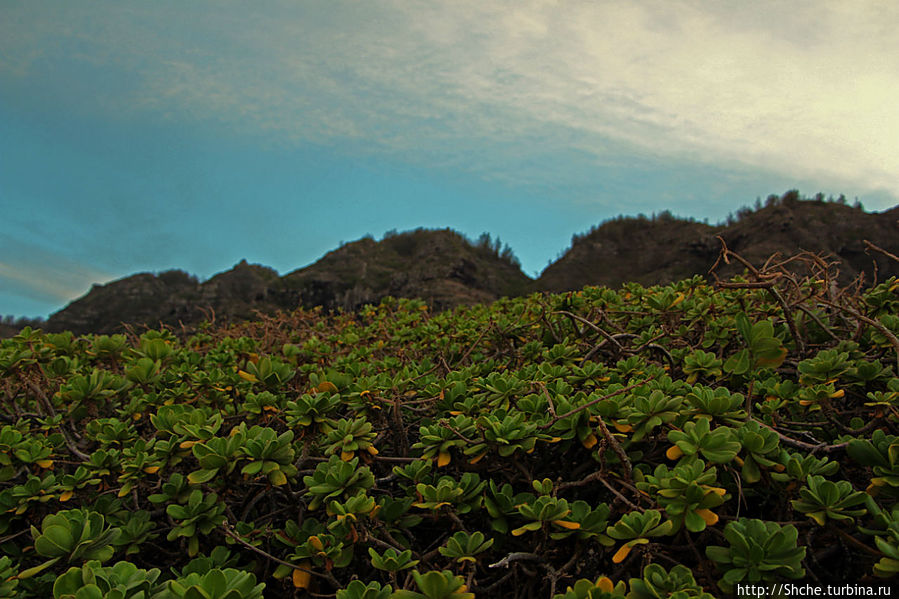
x=143, y=136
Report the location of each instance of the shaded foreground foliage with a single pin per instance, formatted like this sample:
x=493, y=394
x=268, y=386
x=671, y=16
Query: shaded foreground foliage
x=637, y=442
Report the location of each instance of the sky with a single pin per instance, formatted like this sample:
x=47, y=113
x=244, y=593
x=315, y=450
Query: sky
x=145, y=136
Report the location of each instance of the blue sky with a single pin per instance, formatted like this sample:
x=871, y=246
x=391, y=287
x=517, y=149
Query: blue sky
x=139, y=136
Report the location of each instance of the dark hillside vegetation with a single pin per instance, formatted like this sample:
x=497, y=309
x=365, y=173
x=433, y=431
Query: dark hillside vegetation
x=441, y=266
x=446, y=270
x=662, y=249
x=636, y=442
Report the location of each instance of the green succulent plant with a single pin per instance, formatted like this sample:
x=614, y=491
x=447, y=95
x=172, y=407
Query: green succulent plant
x=392, y=560
x=881, y=453
x=336, y=478
x=72, y=535
x=823, y=500
x=659, y=583
x=826, y=367
x=798, y=467
x=268, y=453
x=687, y=493
x=761, y=449
x=214, y=584
x=360, y=590
x=312, y=409
x=886, y=538
x=436, y=440
x=346, y=437
x=199, y=516
x=463, y=494
x=436, y=585
x=763, y=349
x=601, y=588
x=270, y=372
x=758, y=551
x=501, y=502
x=648, y=412
x=217, y=456
x=122, y=580
x=719, y=445
x=700, y=363
x=463, y=547
x=636, y=528
x=718, y=404
x=8, y=578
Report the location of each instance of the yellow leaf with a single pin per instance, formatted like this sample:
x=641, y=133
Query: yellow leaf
x=372, y=450
x=818, y=517
x=316, y=543
x=277, y=478
x=443, y=459
x=605, y=585
x=738, y=460
x=838, y=394
x=717, y=490
x=567, y=524
x=623, y=428
x=151, y=469
x=590, y=441
x=45, y=463
x=326, y=387
x=301, y=578
x=346, y=456
x=709, y=516
x=477, y=458
x=674, y=452
x=66, y=496
x=621, y=554
x=187, y=444
x=137, y=416
x=680, y=298
x=247, y=376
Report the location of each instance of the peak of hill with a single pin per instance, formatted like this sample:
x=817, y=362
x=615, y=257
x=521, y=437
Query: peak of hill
x=440, y=266
x=446, y=269
x=664, y=248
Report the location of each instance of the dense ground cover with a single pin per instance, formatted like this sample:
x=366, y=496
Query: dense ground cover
x=604, y=443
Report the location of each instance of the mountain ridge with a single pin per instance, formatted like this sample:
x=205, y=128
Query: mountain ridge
x=447, y=269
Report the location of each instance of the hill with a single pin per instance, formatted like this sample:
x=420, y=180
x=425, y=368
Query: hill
x=664, y=249
x=441, y=266
x=447, y=270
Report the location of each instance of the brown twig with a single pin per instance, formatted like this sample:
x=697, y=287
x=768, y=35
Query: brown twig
x=880, y=250
x=894, y=341
x=596, y=401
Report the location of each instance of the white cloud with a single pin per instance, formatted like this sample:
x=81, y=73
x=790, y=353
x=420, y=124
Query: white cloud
x=56, y=284
x=45, y=275
x=806, y=89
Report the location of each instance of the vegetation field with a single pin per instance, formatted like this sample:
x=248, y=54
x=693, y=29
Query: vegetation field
x=640, y=442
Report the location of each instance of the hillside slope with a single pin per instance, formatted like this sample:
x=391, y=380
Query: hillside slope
x=440, y=266
x=446, y=269
x=666, y=249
